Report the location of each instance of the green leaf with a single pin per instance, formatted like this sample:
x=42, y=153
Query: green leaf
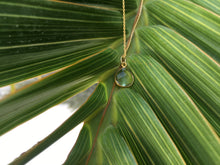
x=137, y=116
x=166, y=117
x=41, y=36
x=39, y=97
x=192, y=66
x=95, y=102
x=38, y=62
x=193, y=22
x=83, y=145
x=212, y=5
x=190, y=131
x=118, y=152
x=107, y=5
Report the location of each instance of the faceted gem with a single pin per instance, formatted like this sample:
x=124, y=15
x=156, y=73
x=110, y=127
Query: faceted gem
x=124, y=78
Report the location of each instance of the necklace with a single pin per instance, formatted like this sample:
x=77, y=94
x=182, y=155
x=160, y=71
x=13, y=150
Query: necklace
x=123, y=77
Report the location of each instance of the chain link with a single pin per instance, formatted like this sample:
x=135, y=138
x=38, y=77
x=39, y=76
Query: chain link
x=123, y=62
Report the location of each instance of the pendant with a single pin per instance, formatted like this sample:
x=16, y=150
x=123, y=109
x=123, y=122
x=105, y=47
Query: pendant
x=124, y=78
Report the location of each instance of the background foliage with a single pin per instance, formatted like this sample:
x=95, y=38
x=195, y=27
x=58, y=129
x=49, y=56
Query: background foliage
x=171, y=113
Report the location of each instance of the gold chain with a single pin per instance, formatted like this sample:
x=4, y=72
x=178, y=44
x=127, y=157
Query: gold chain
x=127, y=44
x=123, y=57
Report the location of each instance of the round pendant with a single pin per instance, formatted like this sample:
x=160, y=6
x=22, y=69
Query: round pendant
x=124, y=78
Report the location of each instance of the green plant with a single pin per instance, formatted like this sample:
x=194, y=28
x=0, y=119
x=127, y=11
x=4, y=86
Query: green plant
x=171, y=113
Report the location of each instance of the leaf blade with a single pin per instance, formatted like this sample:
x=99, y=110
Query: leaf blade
x=118, y=152
x=95, y=102
x=81, y=148
x=147, y=129
x=212, y=5
x=41, y=36
x=185, y=124
x=37, y=98
x=195, y=23
x=192, y=66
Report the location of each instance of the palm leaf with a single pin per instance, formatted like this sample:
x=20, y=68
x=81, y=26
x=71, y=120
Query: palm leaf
x=138, y=118
x=197, y=24
x=171, y=113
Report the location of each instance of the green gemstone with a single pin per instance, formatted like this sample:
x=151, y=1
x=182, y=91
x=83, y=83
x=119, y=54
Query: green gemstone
x=124, y=78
